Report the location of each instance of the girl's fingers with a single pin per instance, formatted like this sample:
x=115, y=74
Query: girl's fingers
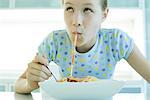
x=46, y=70
x=35, y=78
x=38, y=73
x=39, y=68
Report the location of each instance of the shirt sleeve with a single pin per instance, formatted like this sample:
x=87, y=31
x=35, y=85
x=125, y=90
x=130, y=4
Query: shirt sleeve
x=48, y=47
x=122, y=45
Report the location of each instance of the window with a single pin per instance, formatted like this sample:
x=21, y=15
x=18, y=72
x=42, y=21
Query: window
x=22, y=31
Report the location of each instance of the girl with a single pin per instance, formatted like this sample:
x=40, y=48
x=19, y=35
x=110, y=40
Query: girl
x=96, y=50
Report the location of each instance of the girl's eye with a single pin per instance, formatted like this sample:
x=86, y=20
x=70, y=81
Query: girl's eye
x=69, y=9
x=87, y=10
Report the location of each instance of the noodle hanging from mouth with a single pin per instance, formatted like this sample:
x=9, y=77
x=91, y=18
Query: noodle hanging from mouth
x=75, y=79
x=73, y=54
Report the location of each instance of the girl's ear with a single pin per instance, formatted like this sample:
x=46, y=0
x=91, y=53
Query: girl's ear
x=105, y=13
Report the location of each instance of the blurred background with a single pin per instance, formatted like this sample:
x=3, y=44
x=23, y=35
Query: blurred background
x=25, y=23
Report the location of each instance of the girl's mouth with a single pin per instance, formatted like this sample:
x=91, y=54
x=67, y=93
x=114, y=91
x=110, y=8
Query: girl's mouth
x=79, y=36
x=78, y=33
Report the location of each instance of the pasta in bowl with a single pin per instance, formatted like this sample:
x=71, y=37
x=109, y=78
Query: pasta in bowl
x=87, y=88
x=74, y=79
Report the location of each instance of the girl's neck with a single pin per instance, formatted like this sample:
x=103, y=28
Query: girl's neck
x=88, y=46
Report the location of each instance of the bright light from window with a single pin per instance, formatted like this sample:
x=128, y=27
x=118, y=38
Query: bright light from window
x=21, y=31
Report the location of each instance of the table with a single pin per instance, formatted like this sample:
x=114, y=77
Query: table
x=38, y=96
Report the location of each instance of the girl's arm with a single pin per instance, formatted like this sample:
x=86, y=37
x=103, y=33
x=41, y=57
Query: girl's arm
x=35, y=73
x=22, y=85
x=139, y=63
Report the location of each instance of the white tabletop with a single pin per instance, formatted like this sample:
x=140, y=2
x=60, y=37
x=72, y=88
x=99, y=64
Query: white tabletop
x=38, y=96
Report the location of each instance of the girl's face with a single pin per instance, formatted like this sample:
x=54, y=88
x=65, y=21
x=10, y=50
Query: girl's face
x=83, y=17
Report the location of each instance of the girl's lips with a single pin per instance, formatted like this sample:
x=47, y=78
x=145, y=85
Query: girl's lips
x=77, y=33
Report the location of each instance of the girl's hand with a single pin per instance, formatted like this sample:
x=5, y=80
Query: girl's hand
x=37, y=71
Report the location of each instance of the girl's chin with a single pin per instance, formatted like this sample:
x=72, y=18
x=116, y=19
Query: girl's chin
x=79, y=44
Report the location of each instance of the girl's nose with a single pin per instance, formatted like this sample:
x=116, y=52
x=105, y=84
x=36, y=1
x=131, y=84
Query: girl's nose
x=77, y=20
x=77, y=25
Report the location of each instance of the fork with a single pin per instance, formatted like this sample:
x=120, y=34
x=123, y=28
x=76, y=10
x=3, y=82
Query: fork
x=52, y=74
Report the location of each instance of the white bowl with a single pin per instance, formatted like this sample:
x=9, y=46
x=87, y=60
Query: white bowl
x=99, y=90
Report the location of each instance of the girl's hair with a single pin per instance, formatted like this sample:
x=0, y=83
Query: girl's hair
x=103, y=2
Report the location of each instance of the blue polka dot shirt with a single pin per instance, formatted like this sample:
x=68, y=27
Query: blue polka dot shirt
x=111, y=46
